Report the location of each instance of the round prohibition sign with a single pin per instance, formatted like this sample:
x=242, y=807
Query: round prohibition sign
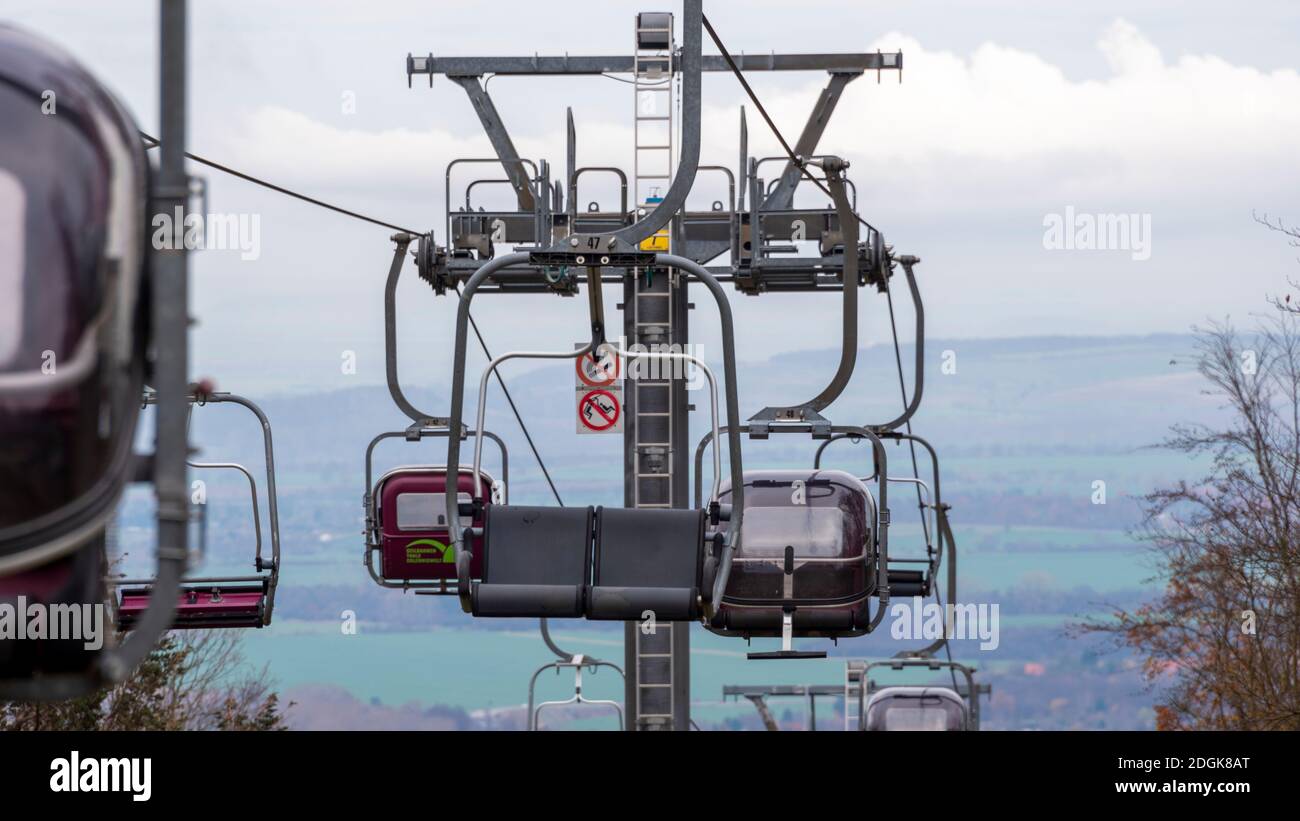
x=599, y=410
x=600, y=370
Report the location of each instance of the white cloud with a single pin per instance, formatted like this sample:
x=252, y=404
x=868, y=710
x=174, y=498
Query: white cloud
x=1153, y=129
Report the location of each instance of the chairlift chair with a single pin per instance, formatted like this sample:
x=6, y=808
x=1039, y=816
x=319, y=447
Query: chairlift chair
x=576, y=663
x=815, y=548
x=915, y=708
x=597, y=563
x=601, y=563
x=810, y=555
x=918, y=707
x=222, y=601
x=406, y=524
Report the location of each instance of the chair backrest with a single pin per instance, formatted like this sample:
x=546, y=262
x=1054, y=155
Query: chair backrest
x=916, y=708
x=536, y=562
x=648, y=548
x=537, y=545
x=647, y=561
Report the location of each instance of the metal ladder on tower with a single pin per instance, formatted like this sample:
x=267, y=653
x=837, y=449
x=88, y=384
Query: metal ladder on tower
x=652, y=306
x=854, y=673
x=653, y=122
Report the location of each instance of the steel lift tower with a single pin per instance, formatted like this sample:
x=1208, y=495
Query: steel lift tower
x=755, y=245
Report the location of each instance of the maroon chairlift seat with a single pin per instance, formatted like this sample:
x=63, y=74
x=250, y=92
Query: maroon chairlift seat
x=411, y=521
x=230, y=601
x=204, y=604
x=406, y=517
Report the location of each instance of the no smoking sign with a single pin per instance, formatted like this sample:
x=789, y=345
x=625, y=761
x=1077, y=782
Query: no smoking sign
x=599, y=370
x=599, y=394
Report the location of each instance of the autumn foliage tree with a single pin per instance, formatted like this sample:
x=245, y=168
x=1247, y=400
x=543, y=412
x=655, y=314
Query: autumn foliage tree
x=1222, y=642
x=192, y=681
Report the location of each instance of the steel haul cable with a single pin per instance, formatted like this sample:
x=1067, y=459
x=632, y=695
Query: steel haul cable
x=794, y=158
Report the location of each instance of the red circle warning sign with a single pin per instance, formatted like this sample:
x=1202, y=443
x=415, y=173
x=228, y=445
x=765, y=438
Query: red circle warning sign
x=599, y=410
x=600, y=370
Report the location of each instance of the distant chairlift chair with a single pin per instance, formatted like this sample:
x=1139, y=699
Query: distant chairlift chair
x=406, y=520
x=229, y=601
x=576, y=663
x=919, y=707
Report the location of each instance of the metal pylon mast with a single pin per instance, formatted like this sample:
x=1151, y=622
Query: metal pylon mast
x=655, y=434
x=652, y=120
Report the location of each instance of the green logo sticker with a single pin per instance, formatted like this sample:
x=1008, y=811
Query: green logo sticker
x=429, y=551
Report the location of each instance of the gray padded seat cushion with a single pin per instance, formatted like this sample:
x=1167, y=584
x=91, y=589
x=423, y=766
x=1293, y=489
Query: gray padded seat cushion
x=807, y=618
x=536, y=562
x=647, y=560
x=905, y=583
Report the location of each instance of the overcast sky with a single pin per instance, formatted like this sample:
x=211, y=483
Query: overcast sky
x=1009, y=112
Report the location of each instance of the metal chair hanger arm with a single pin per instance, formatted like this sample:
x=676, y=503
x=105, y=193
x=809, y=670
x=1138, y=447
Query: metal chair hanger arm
x=402, y=243
x=848, y=220
x=918, y=384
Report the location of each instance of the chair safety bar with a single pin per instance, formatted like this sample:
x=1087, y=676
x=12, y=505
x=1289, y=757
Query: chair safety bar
x=252, y=493
x=942, y=526
x=622, y=355
x=252, y=488
x=476, y=467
